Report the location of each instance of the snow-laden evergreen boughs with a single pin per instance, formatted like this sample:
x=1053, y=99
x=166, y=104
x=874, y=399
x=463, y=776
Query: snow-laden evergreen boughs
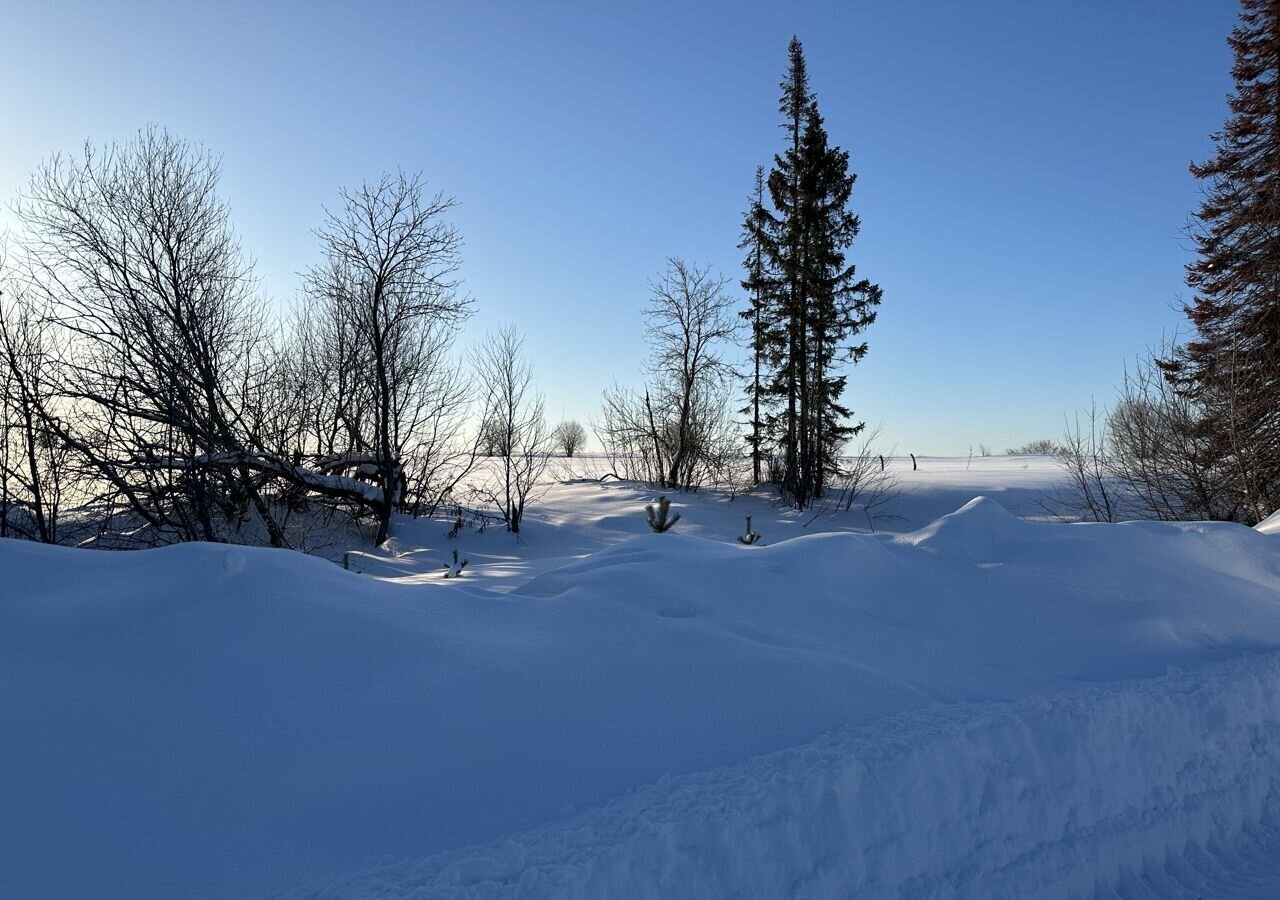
x=807, y=304
x=454, y=569
x=1229, y=371
x=660, y=520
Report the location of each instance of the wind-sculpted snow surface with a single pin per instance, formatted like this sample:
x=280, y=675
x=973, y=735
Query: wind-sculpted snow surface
x=215, y=722
x=1271, y=524
x=1132, y=790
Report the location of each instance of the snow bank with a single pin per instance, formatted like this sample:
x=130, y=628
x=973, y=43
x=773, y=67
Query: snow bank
x=212, y=722
x=1100, y=793
x=1271, y=524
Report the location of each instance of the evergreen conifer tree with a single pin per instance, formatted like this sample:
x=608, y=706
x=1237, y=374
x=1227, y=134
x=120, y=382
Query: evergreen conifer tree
x=758, y=286
x=840, y=305
x=1231, y=368
x=813, y=304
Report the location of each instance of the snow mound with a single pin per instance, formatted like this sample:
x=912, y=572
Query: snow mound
x=1271, y=524
x=211, y=722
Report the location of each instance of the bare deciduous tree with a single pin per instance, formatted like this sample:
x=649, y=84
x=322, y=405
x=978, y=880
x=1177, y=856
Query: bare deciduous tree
x=131, y=249
x=690, y=319
x=1149, y=458
x=678, y=431
x=33, y=464
x=863, y=483
x=139, y=362
x=389, y=291
x=514, y=411
x=569, y=437
x=1084, y=453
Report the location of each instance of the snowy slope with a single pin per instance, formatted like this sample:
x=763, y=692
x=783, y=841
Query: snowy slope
x=207, y=721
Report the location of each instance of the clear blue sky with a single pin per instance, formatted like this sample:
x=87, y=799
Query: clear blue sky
x=1022, y=165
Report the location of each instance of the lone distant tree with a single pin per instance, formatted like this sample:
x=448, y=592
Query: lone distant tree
x=569, y=437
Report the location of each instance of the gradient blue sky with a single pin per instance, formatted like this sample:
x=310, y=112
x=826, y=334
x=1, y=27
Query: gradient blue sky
x=1022, y=165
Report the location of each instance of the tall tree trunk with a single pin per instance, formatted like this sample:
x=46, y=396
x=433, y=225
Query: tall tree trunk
x=385, y=465
x=755, y=395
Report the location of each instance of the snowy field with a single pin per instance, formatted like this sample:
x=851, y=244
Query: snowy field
x=577, y=514
x=965, y=703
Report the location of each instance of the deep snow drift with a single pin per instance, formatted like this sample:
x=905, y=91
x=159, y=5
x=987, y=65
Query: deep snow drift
x=218, y=722
x=1271, y=524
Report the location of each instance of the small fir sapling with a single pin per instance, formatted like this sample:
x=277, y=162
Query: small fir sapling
x=660, y=520
x=750, y=537
x=455, y=568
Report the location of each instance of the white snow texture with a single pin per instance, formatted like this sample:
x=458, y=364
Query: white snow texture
x=1099, y=793
x=984, y=707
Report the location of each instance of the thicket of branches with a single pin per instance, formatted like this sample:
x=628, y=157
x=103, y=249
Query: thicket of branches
x=146, y=388
x=1147, y=457
x=33, y=463
x=388, y=308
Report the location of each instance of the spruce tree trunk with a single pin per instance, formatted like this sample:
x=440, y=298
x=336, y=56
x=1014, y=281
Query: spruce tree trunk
x=755, y=402
x=820, y=402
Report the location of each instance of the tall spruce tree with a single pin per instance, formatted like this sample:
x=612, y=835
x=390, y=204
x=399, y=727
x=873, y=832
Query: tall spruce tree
x=840, y=306
x=1231, y=368
x=757, y=285
x=815, y=305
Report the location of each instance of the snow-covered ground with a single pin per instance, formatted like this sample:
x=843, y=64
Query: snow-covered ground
x=960, y=705
x=577, y=514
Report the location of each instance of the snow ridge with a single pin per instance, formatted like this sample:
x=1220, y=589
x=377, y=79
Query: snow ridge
x=1111, y=792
